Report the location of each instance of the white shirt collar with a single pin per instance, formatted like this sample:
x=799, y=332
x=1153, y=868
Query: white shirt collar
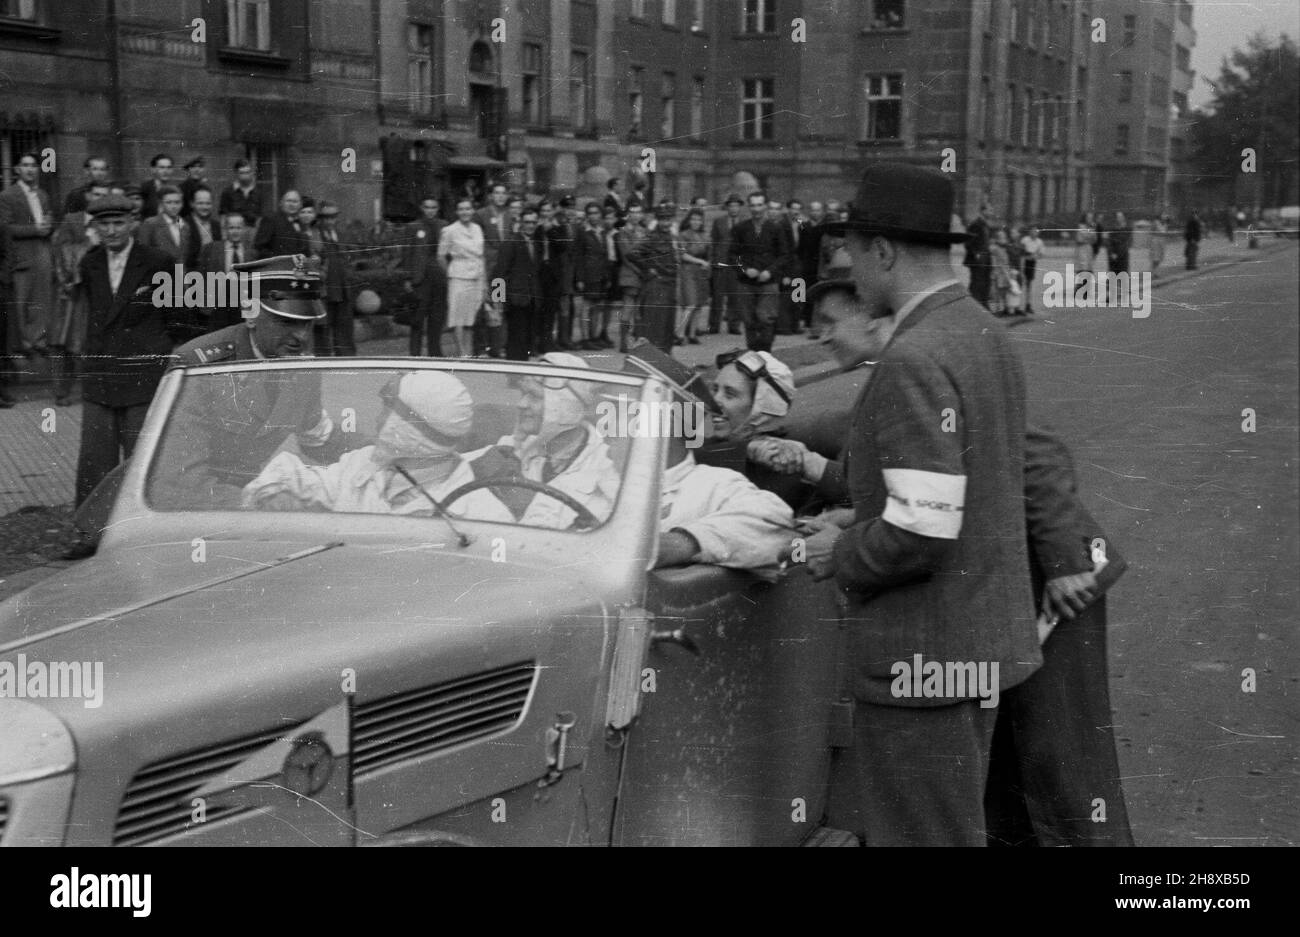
x=921, y=297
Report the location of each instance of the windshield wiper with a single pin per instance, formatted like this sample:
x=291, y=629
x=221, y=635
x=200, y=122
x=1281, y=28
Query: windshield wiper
x=438, y=509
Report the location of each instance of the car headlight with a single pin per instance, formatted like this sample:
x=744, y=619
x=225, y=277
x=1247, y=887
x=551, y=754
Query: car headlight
x=37, y=756
x=34, y=744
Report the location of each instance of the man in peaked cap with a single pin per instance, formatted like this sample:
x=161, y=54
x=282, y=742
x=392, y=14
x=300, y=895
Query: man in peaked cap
x=932, y=564
x=232, y=428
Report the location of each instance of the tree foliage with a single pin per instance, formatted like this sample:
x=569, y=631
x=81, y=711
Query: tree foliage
x=1256, y=102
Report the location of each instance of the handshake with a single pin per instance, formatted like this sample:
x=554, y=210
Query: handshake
x=787, y=456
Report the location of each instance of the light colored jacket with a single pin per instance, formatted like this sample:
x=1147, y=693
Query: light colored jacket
x=736, y=523
x=465, y=245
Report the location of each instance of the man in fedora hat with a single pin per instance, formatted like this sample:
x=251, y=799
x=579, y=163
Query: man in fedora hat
x=932, y=564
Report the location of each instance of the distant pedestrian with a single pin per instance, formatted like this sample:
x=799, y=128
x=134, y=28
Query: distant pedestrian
x=71, y=242
x=591, y=269
x=657, y=258
x=978, y=258
x=26, y=216
x=160, y=175
x=1031, y=249
x=426, y=280
x=1084, y=237
x=96, y=168
x=1118, y=241
x=722, y=303
x=127, y=337
x=461, y=251
x=694, y=273
x=195, y=179
x=243, y=198
x=281, y=234
x=337, y=337
x=1000, y=281
x=1192, y=236
x=1159, y=230
x=758, y=250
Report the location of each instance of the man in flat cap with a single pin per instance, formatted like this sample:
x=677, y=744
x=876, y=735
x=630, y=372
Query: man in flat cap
x=233, y=428
x=933, y=568
x=128, y=340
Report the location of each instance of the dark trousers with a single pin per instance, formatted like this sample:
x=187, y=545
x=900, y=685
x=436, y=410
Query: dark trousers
x=981, y=282
x=343, y=339
x=756, y=305
x=1193, y=248
x=722, y=287
x=428, y=322
x=658, y=314
x=521, y=330
x=548, y=313
x=915, y=775
x=108, y=436
x=788, y=314
x=1053, y=753
x=64, y=364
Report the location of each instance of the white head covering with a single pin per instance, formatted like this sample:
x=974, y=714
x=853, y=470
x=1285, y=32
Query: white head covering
x=441, y=401
x=565, y=403
x=768, y=404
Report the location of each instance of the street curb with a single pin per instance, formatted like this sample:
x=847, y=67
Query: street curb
x=1221, y=264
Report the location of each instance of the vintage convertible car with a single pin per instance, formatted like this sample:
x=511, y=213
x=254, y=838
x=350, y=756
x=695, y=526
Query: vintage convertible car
x=329, y=678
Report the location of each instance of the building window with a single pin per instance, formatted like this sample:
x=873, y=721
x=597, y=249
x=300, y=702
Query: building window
x=884, y=107
x=758, y=16
x=1011, y=114
x=697, y=107
x=1130, y=30
x=697, y=16
x=1121, y=140
x=887, y=14
x=249, y=24
x=668, y=106
x=1034, y=113
x=1183, y=58
x=638, y=9
x=1162, y=37
x=1185, y=12
x=419, y=67
x=757, y=109
x=1180, y=103
x=532, y=83
x=1013, y=21
x=271, y=161
x=18, y=9
x=1080, y=125
x=668, y=12
x=1125, y=87
x=1031, y=24
x=579, y=90
x=1159, y=92
x=635, y=101
x=1058, y=112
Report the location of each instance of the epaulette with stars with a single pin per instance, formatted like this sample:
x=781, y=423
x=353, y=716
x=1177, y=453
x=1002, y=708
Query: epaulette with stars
x=212, y=351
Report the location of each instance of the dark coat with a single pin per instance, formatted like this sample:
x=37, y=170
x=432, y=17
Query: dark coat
x=912, y=587
x=128, y=339
x=521, y=272
x=277, y=235
x=337, y=289
x=420, y=253
x=234, y=202
x=196, y=238
x=590, y=263
x=759, y=245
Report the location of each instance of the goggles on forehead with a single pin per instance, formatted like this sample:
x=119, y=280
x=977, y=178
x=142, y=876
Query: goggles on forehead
x=390, y=395
x=752, y=365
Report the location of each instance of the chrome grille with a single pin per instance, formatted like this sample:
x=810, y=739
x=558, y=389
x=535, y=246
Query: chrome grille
x=157, y=801
x=433, y=718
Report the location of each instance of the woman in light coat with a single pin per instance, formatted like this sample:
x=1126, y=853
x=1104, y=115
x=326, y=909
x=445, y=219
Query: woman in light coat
x=461, y=252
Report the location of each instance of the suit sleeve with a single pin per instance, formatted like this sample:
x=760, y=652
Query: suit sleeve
x=1059, y=528
x=17, y=231
x=924, y=475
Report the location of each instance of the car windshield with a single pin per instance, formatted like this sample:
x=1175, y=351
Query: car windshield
x=491, y=445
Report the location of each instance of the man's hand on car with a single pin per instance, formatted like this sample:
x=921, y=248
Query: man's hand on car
x=1066, y=596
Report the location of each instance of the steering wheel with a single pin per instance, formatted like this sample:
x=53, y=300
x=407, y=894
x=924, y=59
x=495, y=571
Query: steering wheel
x=585, y=520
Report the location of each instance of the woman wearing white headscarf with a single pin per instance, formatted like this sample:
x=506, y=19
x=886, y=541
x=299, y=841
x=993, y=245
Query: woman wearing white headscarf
x=555, y=443
x=414, y=458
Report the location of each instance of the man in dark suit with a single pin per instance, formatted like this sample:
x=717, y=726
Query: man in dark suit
x=723, y=281
x=336, y=292
x=160, y=169
x=167, y=231
x=519, y=264
x=221, y=257
x=978, y=257
x=809, y=254
x=497, y=222
x=280, y=234
x=128, y=338
x=242, y=197
x=201, y=225
x=758, y=253
x=555, y=243
x=25, y=213
x=794, y=228
x=591, y=280
x=195, y=179
x=426, y=278
x=933, y=564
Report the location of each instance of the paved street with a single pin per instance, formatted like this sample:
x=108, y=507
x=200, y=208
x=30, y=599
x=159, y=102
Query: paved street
x=1207, y=516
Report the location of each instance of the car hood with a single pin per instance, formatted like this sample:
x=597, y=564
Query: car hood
x=193, y=653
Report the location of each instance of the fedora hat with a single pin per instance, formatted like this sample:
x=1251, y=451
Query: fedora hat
x=902, y=202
